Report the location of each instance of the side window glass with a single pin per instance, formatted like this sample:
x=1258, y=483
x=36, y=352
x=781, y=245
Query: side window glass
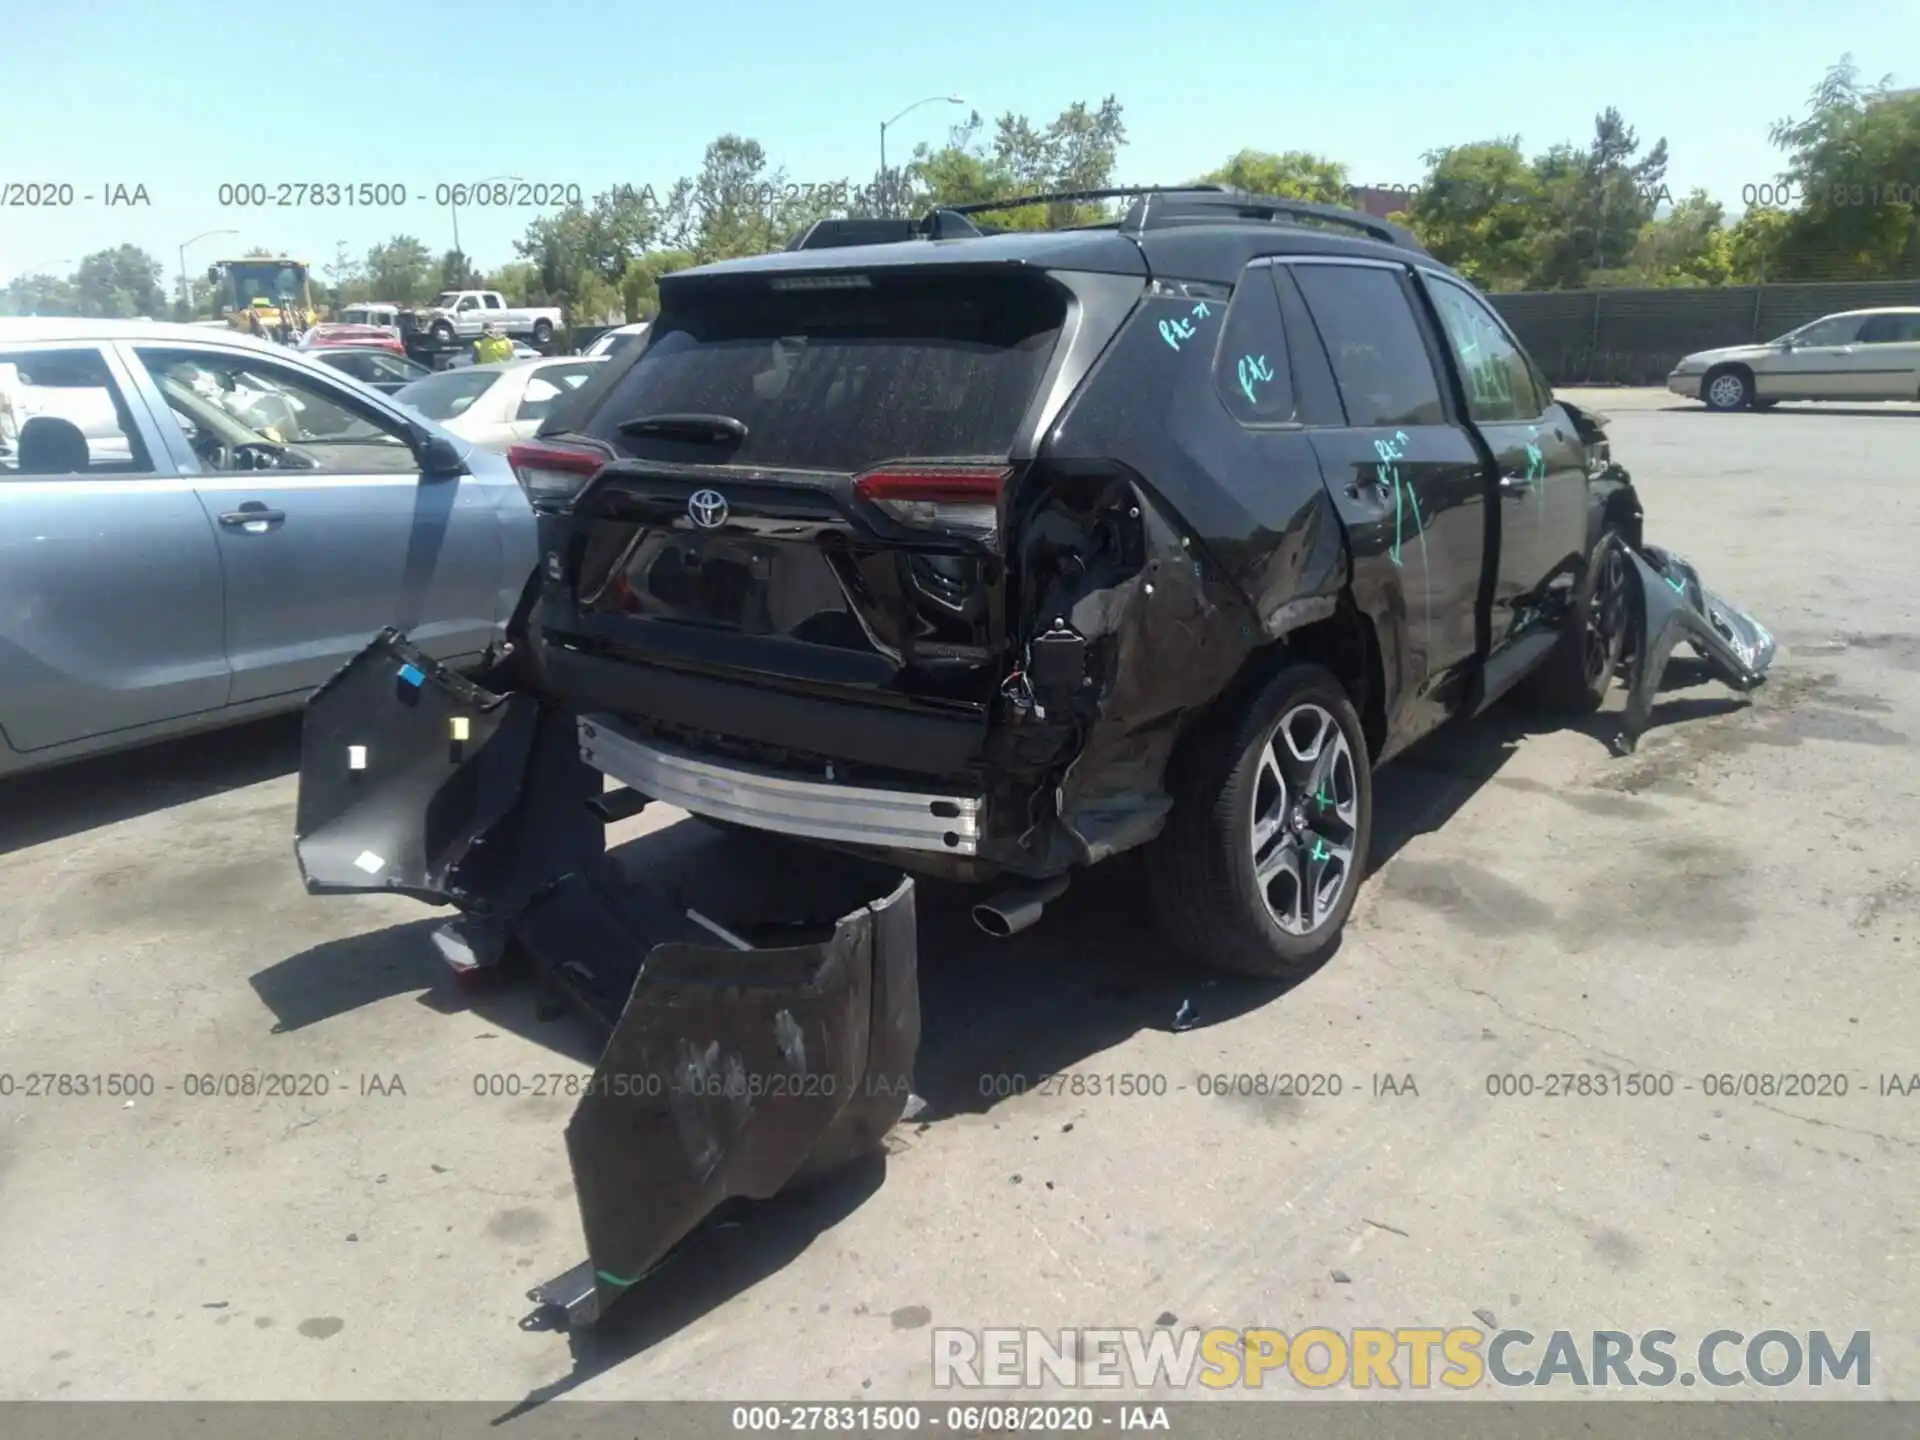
x=239, y=413
x=62, y=414
x=1830, y=332
x=1378, y=354
x=491, y=302
x=1250, y=369
x=1498, y=380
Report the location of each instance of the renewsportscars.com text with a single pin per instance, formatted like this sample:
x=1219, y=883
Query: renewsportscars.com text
x=1416, y=1358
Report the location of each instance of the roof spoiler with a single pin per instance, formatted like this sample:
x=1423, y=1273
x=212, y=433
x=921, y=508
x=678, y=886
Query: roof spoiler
x=943, y=224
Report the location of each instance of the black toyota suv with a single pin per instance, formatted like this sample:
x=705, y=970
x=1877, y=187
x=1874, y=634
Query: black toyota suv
x=995, y=555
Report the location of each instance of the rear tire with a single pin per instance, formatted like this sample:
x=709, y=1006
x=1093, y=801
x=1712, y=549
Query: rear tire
x=1579, y=670
x=1257, y=869
x=1730, y=389
x=542, y=333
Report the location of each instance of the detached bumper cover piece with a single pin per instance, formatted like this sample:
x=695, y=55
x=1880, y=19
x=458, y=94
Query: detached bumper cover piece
x=731, y=1074
x=742, y=1055
x=1674, y=606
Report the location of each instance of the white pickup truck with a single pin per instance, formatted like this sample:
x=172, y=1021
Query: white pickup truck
x=463, y=314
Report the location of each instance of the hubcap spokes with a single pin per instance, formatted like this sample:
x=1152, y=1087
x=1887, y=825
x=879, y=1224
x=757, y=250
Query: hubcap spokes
x=1606, y=614
x=1306, y=816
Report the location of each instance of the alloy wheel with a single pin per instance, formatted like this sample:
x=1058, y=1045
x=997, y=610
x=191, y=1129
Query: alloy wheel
x=1727, y=391
x=1305, y=819
x=1606, y=618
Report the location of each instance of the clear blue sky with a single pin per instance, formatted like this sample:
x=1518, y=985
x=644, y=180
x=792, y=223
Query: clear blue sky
x=180, y=97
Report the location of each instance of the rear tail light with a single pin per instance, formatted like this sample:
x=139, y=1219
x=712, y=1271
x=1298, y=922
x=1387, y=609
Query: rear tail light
x=956, y=499
x=553, y=473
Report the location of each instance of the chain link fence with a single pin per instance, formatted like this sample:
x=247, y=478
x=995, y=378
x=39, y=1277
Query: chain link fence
x=1635, y=337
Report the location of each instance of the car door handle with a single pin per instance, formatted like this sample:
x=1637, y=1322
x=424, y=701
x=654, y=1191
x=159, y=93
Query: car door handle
x=251, y=514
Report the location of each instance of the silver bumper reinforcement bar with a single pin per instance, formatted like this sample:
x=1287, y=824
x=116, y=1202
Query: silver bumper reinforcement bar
x=766, y=800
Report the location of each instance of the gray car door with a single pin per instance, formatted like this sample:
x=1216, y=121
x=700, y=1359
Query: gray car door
x=1888, y=356
x=338, y=536
x=111, y=611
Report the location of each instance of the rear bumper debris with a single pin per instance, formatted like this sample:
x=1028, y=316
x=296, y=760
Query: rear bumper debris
x=1674, y=606
x=747, y=1049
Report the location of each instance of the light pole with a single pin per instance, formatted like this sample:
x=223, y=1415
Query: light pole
x=453, y=206
x=186, y=289
x=929, y=100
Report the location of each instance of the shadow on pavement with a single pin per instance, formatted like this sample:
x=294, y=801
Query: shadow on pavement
x=86, y=794
x=998, y=1016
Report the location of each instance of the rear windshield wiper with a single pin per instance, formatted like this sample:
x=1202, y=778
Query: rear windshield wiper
x=713, y=429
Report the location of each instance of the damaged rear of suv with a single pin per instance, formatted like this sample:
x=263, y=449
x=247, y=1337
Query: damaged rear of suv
x=987, y=557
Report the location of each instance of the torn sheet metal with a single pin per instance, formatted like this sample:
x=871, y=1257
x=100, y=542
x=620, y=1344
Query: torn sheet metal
x=1674, y=607
x=749, y=1047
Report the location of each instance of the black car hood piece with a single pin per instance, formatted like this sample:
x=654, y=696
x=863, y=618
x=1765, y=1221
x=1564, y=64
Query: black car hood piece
x=1674, y=606
x=733, y=1067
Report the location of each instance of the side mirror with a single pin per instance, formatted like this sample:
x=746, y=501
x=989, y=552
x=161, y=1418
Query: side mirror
x=1788, y=343
x=440, y=458
x=213, y=274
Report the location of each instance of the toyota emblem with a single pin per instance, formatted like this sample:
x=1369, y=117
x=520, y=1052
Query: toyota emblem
x=707, y=509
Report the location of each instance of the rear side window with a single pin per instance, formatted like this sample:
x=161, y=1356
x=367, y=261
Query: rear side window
x=62, y=414
x=1890, y=330
x=1251, y=371
x=1379, y=358
x=841, y=379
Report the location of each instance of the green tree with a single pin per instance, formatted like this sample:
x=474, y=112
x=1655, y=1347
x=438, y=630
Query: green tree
x=1078, y=150
x=1691, y=246
x=346, y=278
x=1480, y=209
x=1854, y=158
x=1286, y=175
x=1754, y=245
x=40, y=295
x=123, y=281
x=400, y=271
x=640, y=289
x=518, y=283
x=1596, y=201
x=457, y=272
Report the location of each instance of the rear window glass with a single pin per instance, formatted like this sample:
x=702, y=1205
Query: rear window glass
x=450, y=393
x=842, y=379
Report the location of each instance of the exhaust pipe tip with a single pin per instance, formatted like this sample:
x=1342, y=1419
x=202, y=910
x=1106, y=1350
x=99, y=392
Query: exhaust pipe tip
x=1012, y=911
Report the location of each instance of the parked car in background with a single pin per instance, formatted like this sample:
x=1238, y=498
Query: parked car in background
x=463, y=358
x=1854, y=355
x=619, y=340
x=498, y=406
x=462, y=314
x=204, y=563
x=380, y=368
x=361, y=337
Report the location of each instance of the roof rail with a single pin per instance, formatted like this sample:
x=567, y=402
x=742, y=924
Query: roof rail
x=1156, y=205
x=1191, y=205
x=1081, y=197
